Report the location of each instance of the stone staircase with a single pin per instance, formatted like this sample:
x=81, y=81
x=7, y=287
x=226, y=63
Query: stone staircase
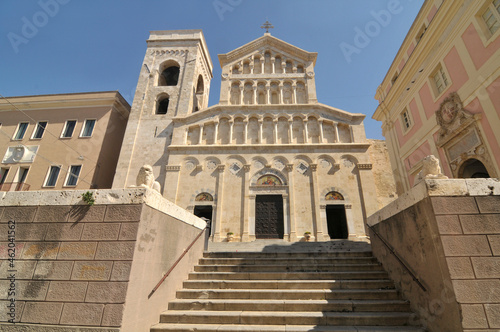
x=334, y=286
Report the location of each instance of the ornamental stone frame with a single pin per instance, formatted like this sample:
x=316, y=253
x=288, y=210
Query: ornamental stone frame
x=348, y=210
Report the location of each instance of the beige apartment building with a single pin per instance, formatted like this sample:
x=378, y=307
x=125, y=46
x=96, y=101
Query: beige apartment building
x=61, y=141
x=441, y=93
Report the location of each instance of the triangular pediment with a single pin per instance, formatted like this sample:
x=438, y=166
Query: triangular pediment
x=267, y=42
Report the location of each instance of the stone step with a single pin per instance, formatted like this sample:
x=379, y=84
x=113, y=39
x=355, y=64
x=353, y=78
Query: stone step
x=289, y=294
x=289, y=284
x=287, y=317
x=289, y=261
x=291, y=305
x=280, y=328
x=360, y=275
x=295, y=255
x=275, y=245
x=305, y=267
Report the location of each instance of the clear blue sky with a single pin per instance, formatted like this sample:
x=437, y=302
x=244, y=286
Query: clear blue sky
x=99, y=45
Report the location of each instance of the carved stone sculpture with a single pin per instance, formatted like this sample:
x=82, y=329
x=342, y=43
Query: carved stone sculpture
x=146, y=179
x=430, y=169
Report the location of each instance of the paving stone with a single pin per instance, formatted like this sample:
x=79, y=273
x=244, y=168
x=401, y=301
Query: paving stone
x=53, y=270
x=82, y=314
x=85, y=213
x=123, y=213
x=18, y=213
x=52, y=213
x=77, y=250
x=42, y=312
x=67, y=291
x=92, y=270
x=64, y=232
x=106, y=292
x=101, y=231
x=113, y=314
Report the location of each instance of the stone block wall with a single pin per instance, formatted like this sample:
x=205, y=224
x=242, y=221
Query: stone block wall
x=448, y=234
x=469, y=229
x=92, y=266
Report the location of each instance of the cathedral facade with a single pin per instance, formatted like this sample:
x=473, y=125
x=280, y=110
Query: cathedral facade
x=267, y=161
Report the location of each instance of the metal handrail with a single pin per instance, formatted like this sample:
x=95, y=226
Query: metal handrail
x=392, y=251
x=207, y=226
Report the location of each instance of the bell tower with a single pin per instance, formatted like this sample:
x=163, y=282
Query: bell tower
x=174, y=82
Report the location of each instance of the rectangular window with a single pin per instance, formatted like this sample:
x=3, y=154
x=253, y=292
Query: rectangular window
x=39, y=130
x=69, y=127
x=406, y=119
x=74, y=173
x=3, y=175
x=21, y=130
x=88, y=128
x=440, y=80
x=491, y=16
x=51, y=179
x=420, y=33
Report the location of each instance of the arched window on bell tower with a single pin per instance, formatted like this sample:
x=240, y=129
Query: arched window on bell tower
x=162, y=104
x=169, y=76
x=198, y=105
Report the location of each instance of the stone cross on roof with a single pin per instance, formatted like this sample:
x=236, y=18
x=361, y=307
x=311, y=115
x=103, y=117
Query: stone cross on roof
x=267, y=26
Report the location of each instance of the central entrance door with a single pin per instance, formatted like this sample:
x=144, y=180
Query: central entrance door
x=337, y=222
x=269, y=217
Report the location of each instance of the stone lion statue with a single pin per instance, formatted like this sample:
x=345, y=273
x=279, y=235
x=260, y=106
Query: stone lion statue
x=146, y=179
x=430, y=169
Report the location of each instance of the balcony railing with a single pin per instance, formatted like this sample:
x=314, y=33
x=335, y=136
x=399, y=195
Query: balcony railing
x=14, y=186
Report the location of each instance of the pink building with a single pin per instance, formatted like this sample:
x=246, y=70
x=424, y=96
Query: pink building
x=441, y=95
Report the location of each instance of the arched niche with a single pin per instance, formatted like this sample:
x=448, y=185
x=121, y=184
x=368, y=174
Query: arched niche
x=473, y=168
x=204, y=197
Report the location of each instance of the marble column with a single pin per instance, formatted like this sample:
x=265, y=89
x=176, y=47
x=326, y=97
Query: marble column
x=255, y=95
x=275, y=122
x=216, y=237
x=216, y=132
x=242, y=92
x=317, y=214
x=272, y=61
x=290, y=134
x=286, y=218
x=306, y=132
x=268, y=93
x=321, y=134
x=186, y=134
x=294, y=87
x=280, y=97
x=251, y=217
x=260, y=131
x=200, y=140
x=336, y=130
x=172, y=178
x=245, y=135
x=324, y=221
x=231, y=124
x=245, y=236
x=291, y=192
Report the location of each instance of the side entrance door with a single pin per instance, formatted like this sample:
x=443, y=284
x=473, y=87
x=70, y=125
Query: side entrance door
x=269, y=217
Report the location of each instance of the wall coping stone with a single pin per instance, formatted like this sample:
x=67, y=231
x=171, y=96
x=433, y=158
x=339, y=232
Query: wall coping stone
x=436, y=188
x=127, y=196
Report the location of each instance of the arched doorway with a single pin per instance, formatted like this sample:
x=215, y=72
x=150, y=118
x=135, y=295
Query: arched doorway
x=204, y=206
x=269, y=211
x=336, y=216
x=473, y=168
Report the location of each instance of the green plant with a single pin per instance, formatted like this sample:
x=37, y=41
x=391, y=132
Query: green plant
x=230, y=233
x=306, y=233
x=88, y=198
